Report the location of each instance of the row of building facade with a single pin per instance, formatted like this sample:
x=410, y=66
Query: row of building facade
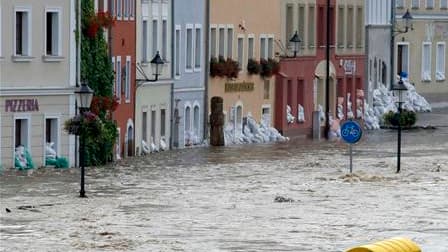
x=39, y=65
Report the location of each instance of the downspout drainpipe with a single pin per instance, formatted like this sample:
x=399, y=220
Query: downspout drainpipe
x=327, y=77
x=206, y=66
x=172, y=119
x=78, y=66
x=392, y=44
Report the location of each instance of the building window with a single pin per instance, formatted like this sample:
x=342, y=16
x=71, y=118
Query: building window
x=127, y=89
x=1, y=40
x=350, y=29
x=429, y=4
x=23, y=33
x=426, y=61
x=250, y=48
x=187, y=119
x=153, y=126
x=440, y=61
x=230, y=43
x=221, y=41
x=213, y=42
x=119, y=9
x=267, y=87
x=118, y=143
x=155, y=39
x=144, y=126
x=177, y=51
x=311, y=26
x=164, y=39
x=240, y=52
x=399, y=3
x=162, y=121
x=443, y=4
x=118, y=79
x=145, y=41
x=262, y=48
x=21, y=132
x=403, y=58
x=341, y=26
x=196, y=120
x=115, y=73
x=126, y=9
x=271, y=48
x=289, y=22
x=52, y=38
x=112, y=8
x=301, y=22
x=131, y=8
x=197, y=48
x=189, y=53
x=266, y=115
x=359, y=27
x=52, y=132
x=415, y=4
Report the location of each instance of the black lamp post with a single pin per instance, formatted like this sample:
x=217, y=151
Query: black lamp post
x=84, y=97
x=400, y=88
x=157, y=64
x=295, y=40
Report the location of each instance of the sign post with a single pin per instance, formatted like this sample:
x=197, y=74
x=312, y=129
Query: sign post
x=351, y=132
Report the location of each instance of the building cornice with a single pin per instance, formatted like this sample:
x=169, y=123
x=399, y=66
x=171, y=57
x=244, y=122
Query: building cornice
x=43, y=91
x=426, y=16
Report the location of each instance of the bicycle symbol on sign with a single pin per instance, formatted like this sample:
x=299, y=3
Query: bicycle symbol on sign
x=350, y=130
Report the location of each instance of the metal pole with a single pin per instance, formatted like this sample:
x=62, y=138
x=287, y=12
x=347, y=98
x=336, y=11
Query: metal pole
x=327, y=86
x=82, y=192
x=351, y=157
x=399, y=137
x=392, y=44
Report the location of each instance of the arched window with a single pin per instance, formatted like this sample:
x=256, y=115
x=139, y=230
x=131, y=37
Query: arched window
x=196, y=120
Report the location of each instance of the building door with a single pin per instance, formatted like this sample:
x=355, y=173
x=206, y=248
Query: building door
x=130, y=141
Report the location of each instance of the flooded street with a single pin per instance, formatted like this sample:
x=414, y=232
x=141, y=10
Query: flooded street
x=222, y=199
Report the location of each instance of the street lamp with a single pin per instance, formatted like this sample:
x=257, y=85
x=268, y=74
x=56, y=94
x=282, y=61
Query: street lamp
x=157, y=64
x=400, y=88
x=84, y=97
x=295, y=40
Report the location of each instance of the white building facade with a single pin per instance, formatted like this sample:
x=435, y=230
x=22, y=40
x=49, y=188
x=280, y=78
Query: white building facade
x=37, y=78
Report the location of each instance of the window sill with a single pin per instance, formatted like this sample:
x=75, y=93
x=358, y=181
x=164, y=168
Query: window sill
x=52, y=58
x=189, y=70
x=20, y=58
x=177, y=77
x=197, y=70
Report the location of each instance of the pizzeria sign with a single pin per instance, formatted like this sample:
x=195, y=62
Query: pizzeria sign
x=21, y=105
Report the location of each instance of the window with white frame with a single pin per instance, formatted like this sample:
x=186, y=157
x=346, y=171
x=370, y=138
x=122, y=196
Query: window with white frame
x=119, y=9
x=187, y=119
x=153, y=126
x=402, y=58
x=271, y=47
x=52, y=132
x=22, y=30
x=230, y=43
x=262, y=48
x=118, y=143
x=250, y=47
x=145, y=126
x=112, y=8
x=399, y=3
x=240, y=51
x=1, y=37
x=415, y=4
x=429, y=4
x=132, y=9
x=155, y=39
x=443, y=4
x=198, y=47
x=52, y=33
x=22, y=132
x=221, y=41
x=440, y=61
x=196, y=120
x=426, y=61
x=118, y=78
x=213, y=42
x=177, y=51
x=189, y=48
x=145, y=41
x=164, y=39
x=127, y=89
x=162, y=122
x=126, y=9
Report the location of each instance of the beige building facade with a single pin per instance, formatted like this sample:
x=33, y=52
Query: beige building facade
x=37, y=78
x=240, y=33
x=422, y=51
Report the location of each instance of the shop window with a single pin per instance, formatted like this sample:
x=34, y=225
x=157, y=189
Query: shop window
x=21, y=132
x=266, y=116
x=403, y=58
x=196, y=120
x=144, y=126
x=187, y=119
x=153, y=125
x=162, y=122
x=426, y=61
x=52, y=132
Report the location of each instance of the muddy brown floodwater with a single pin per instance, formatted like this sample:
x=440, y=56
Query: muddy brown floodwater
x=222, y=199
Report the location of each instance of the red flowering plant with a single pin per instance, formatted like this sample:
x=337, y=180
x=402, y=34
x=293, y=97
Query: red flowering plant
x=101, y=20
x=104, y=106
x=89, y=122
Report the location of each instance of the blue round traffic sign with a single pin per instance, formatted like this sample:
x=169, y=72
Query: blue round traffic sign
x=351, y=132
